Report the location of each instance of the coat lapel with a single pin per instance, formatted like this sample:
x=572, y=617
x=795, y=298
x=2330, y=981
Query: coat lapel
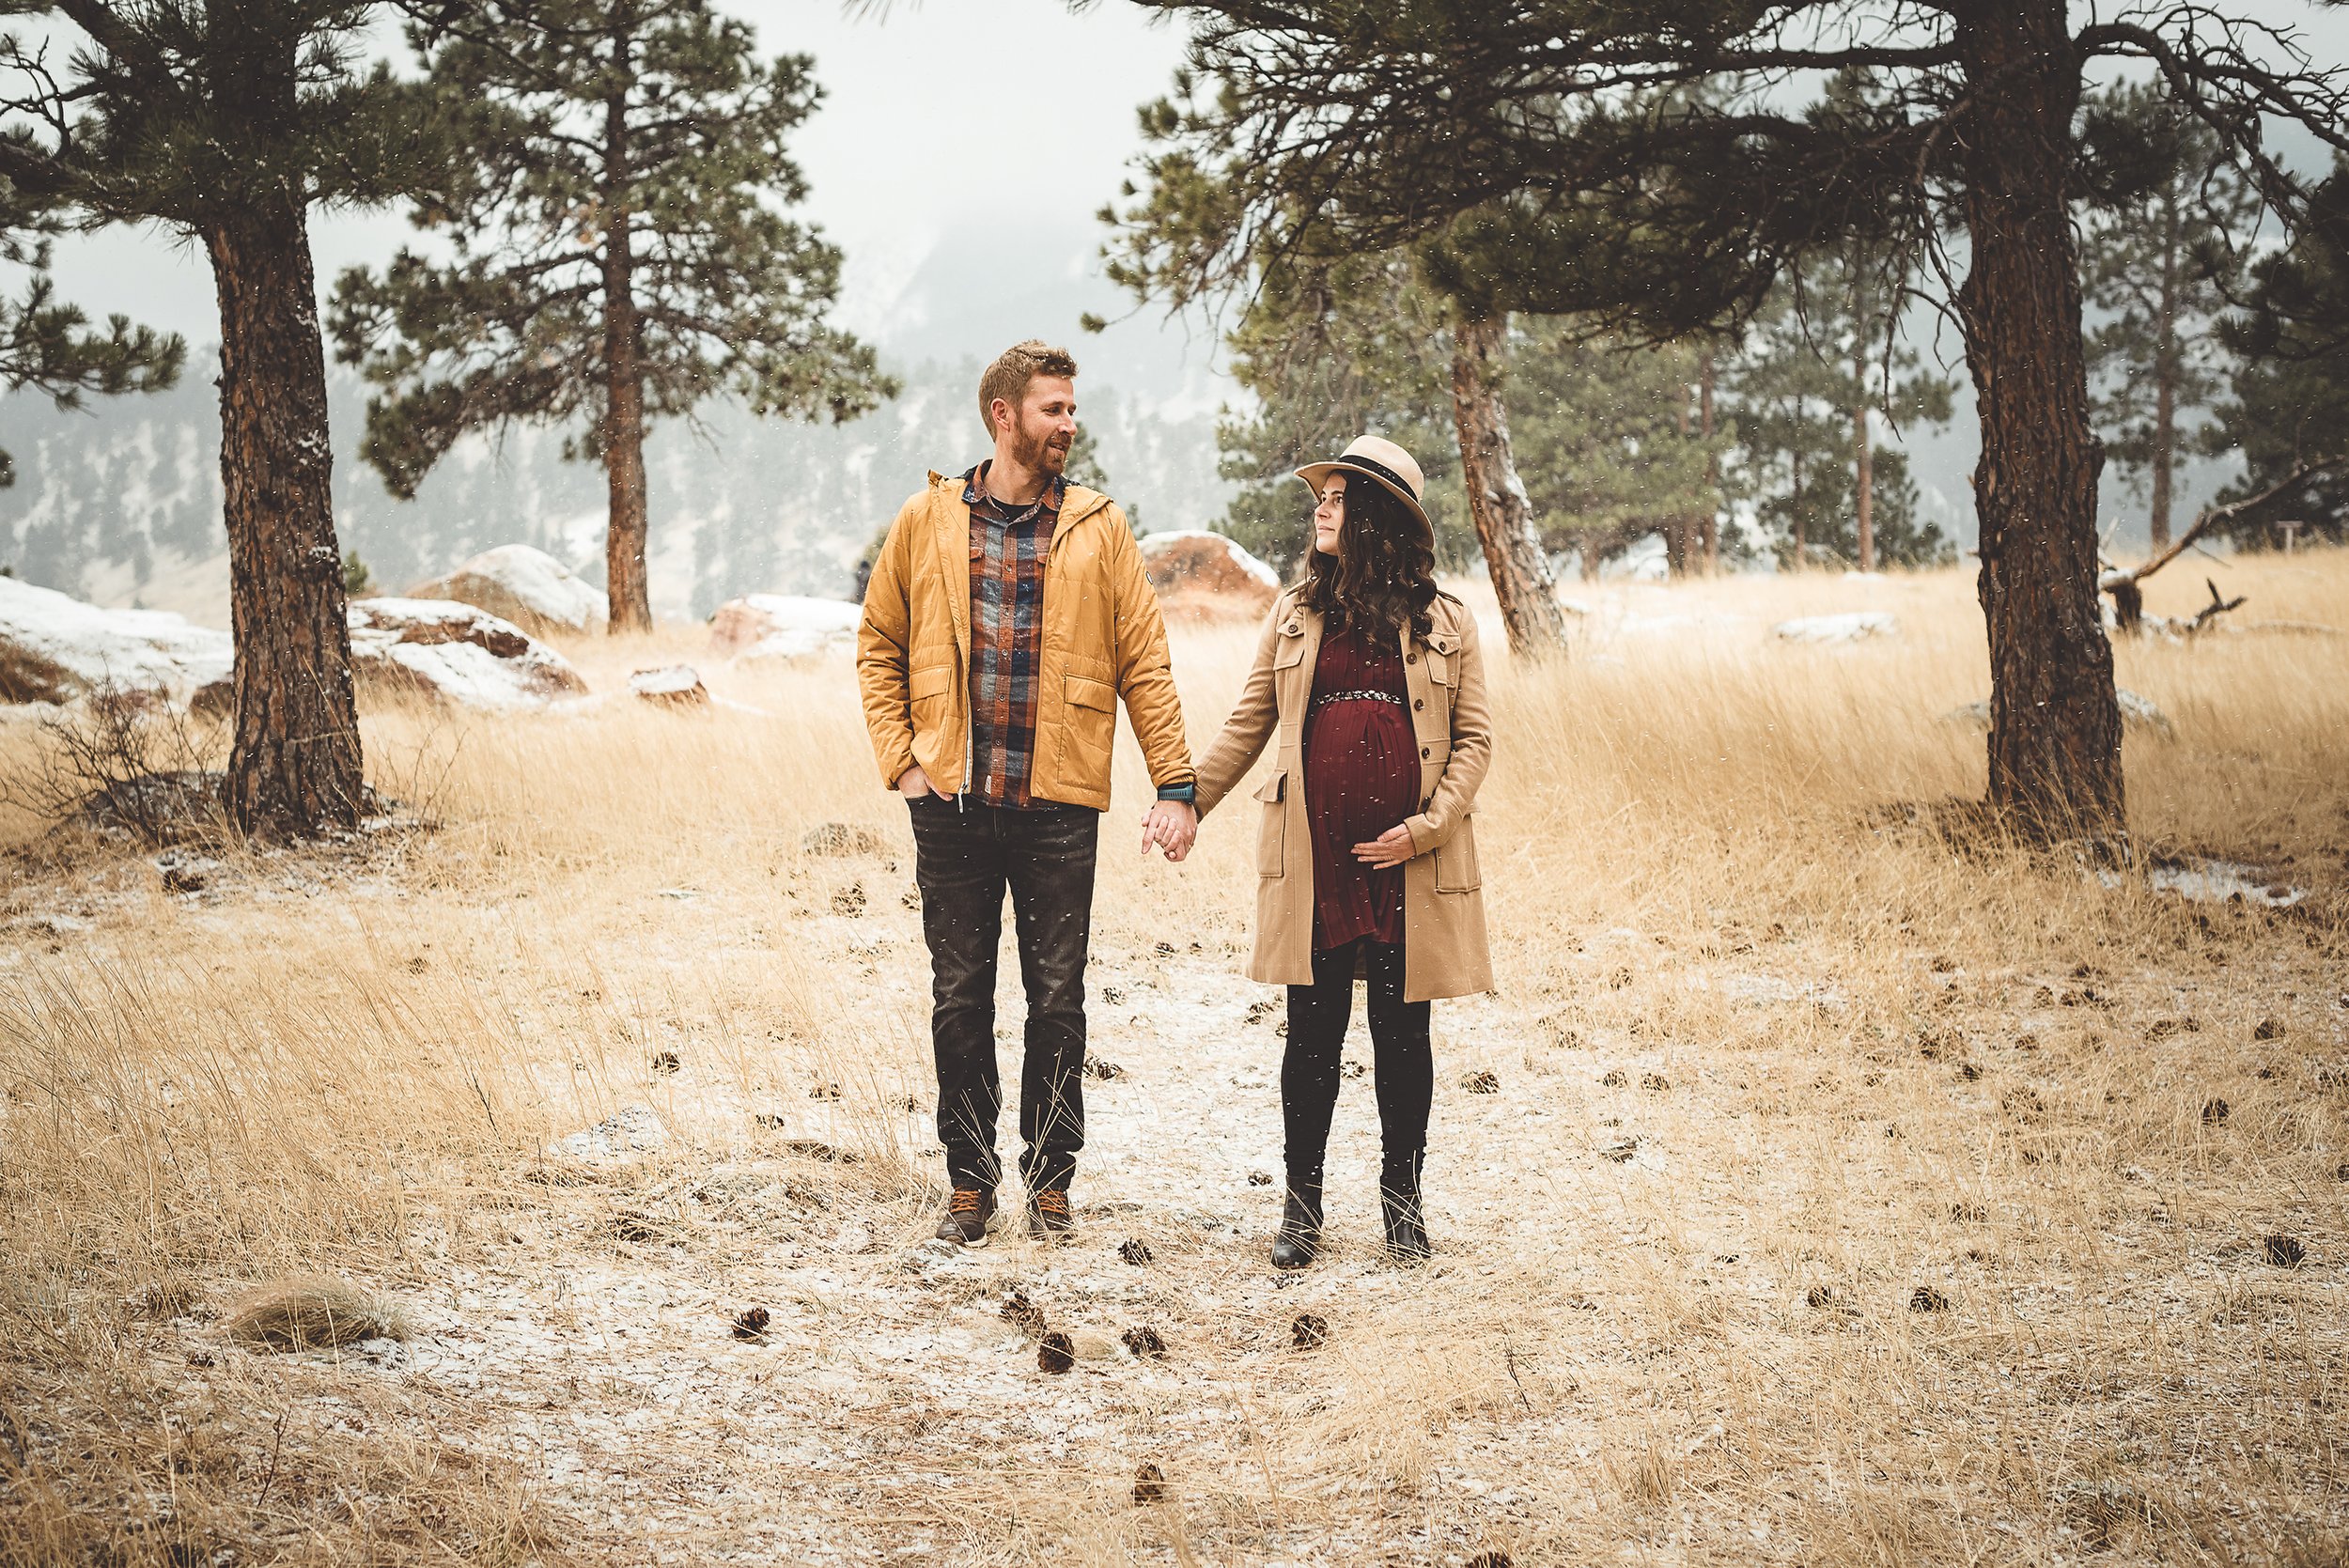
x=1293, y=676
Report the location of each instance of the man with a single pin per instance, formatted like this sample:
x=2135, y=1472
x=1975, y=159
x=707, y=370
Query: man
x=1007, y=613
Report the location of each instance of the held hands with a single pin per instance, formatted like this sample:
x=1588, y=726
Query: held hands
x=1390, y=849
x=1172, y=824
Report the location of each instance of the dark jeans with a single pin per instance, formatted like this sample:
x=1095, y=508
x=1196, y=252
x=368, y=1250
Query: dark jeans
x=1404, y=1062
x=964, y=858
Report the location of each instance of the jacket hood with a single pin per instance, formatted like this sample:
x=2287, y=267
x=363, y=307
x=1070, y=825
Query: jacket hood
x=1080, y=503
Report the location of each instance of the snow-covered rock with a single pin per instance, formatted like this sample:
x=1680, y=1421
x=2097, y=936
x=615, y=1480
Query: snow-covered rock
x=671, y=686
x=1646, y=561
x=2136, y=711
x=783, y=626
x=54, y=647
x=455, y=653
x=1205, y=576
x=1851, y=627
x=528, y=587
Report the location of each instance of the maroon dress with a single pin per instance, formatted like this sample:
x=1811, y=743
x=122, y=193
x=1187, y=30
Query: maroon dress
x=1361, y=778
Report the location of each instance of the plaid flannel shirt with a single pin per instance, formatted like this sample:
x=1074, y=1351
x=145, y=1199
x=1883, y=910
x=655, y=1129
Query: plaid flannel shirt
x=1008, y=548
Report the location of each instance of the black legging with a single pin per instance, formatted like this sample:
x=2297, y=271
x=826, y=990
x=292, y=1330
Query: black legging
x=1406, y=1065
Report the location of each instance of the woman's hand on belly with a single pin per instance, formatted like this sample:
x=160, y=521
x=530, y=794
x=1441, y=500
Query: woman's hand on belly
x=1390, y=849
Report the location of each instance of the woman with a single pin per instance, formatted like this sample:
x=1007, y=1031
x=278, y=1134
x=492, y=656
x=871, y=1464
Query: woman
x=1369, y=681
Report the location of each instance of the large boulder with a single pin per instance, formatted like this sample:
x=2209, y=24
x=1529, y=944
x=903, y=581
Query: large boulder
x=456, y=654
x=1204, y=576
x=528, y=587
x=783, y=626
x=54, y=647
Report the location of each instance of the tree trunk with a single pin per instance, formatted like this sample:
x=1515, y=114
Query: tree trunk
x=1863, y=469
x=2055, y=724
x=2166, y=373
x=628, y=587
x=294, y=764
x=1503, y=512
x=1794, y=464
x=1711, y=521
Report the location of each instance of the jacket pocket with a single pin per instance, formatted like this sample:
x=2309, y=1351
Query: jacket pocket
x=1455, y=860
x=1442, y=646
x=1090, y=709
x=1272, y=831
x=928, y=688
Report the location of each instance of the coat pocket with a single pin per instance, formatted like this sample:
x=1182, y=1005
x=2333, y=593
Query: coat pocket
x=928, y=688
x=1273, y=829
x=1091, y=709
x=1455, y=860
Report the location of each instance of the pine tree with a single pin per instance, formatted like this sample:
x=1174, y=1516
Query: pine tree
x=620, y=250
x=2163, y=246
x=1328, y=354
x=2288, y=404
x=1346, y=126
x=1822, y=362
x=1614, y=442
x=226, y=122
x=45, y=345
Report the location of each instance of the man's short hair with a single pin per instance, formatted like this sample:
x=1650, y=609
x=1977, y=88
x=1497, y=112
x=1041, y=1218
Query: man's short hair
x=1013, y=369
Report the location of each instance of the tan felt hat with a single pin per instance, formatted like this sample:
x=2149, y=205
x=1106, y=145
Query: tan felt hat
x=1382, y=460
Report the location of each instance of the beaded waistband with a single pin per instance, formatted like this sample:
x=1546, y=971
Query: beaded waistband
x=1323, y=702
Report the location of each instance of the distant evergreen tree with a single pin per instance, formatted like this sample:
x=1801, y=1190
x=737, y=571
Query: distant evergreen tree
x=1611, y=443
x=621, y=252
x=2289, y=396
x=1820, y=365
x=2164, y=241
x=227, y=123
x=1331, y=353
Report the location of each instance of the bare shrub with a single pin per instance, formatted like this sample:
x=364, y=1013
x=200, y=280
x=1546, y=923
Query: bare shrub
x=124, y=760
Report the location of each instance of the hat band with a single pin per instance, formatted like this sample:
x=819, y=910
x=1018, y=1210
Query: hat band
x=1377, y=470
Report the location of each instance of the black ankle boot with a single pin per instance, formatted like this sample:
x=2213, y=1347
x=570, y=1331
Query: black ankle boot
x=1299, y=1242
x=1399, y=1207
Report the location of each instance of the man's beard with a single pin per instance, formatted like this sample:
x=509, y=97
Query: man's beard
x=1042, y=453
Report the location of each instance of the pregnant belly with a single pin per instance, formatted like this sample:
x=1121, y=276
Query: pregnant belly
x=1362, y=771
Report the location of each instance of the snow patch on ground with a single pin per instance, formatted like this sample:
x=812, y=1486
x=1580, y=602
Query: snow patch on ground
x=634, y=1129
x=1853, y=626
x=2215, y=882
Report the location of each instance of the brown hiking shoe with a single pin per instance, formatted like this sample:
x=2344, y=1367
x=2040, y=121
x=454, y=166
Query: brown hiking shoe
x=967, y=1214
x=1049, y=1219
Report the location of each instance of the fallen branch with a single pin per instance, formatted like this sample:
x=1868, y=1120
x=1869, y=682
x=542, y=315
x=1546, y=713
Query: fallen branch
x=2217, y=606
x=2128, y=597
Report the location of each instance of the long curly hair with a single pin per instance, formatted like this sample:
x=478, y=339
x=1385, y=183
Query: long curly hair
x=1385, y=579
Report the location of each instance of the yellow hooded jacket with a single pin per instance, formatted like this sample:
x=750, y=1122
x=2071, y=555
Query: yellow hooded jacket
x=1103, y=639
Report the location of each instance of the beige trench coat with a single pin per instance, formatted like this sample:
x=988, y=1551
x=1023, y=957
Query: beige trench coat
x=1444, y=951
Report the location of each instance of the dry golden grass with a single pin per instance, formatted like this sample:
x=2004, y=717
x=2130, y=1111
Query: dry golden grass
x=1776, y=1069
